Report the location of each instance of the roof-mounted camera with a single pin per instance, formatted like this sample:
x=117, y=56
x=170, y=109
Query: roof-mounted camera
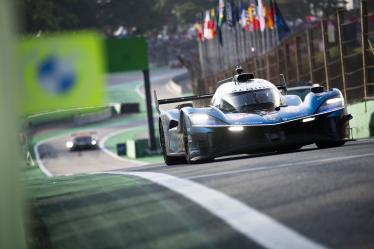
x=239, y=69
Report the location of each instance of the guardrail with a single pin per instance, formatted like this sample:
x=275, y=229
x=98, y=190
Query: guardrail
x=94, y=117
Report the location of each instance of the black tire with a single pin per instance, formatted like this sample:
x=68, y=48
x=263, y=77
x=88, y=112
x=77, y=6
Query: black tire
x=168, y=159
x=325, y=145
x=185, y=142
x=187, y=152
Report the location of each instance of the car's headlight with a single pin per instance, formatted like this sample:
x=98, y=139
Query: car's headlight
x=204, y=119
x=69, y=144
x=93, y=142
x=332, y=103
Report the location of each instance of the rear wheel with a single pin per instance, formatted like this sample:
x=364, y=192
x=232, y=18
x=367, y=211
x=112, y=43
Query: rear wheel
x=325, y=145
x=168, y=159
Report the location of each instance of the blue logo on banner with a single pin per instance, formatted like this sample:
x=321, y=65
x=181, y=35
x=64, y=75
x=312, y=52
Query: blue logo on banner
x=56, y=75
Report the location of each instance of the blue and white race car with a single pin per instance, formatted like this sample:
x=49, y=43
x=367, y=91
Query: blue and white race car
x=250, y=115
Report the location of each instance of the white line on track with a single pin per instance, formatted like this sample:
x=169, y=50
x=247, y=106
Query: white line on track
x=301, y=164
x=255, y=225
x=38, y=159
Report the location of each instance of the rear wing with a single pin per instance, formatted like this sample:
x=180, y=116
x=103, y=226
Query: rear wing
x=180, y=99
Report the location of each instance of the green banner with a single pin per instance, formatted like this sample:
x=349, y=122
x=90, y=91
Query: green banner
x=126, y=54
x=61, y=71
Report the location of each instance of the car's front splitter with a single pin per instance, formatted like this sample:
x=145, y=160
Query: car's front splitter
x=210, y=142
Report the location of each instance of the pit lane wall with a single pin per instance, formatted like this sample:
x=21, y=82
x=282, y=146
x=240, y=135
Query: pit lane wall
x=362, y=123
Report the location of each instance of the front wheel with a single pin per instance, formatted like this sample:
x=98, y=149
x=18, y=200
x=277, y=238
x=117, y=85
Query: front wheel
x=325, y=145
x=168, y=159
x=186, y=143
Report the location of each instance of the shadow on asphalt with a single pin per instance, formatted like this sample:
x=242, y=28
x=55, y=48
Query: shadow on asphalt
x=239, y=157
x=218, y=160
x=307, y=148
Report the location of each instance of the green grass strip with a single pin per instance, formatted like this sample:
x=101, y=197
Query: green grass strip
x=131, y=134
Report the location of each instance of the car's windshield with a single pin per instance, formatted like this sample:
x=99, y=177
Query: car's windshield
x=83, y=139
x=299, y=92
x=250, y=101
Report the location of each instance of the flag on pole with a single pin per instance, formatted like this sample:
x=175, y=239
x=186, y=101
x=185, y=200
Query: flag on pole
x=199, y=31
x=282, y=27
x=236, y=13
x=221, y=12
x=209, y=29
x=255, y=25
x=265, y=7
x=206, y=31
x=232, y=14
x=212, y=24
x=261, y=17
x=229, y=15
x=244, y=17
x=219, y=23
x=270, y=14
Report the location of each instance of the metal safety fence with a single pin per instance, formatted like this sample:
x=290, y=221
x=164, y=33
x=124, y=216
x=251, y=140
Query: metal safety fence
x=336, y=52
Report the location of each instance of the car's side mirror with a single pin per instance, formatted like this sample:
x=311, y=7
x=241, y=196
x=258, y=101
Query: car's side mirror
x=279, y=107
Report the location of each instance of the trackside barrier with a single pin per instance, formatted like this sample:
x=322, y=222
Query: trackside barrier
x=137, y=148
x=88, y=118
x=362, y=123
x=128, y=108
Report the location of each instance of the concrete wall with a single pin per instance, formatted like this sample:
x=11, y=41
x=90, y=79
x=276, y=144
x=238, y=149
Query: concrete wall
x=363, y=119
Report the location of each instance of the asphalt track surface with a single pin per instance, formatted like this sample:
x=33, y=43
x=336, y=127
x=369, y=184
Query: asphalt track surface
x=326, y=195
x=59, y=161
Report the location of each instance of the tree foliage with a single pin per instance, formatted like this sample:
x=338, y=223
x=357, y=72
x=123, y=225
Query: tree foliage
x=144, y=15
x=294, y=9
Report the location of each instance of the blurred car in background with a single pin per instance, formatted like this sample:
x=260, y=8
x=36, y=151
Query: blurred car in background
x=82, y=141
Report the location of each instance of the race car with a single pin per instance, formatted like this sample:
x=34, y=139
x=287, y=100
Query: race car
x=250, y=115
x=82, y=141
